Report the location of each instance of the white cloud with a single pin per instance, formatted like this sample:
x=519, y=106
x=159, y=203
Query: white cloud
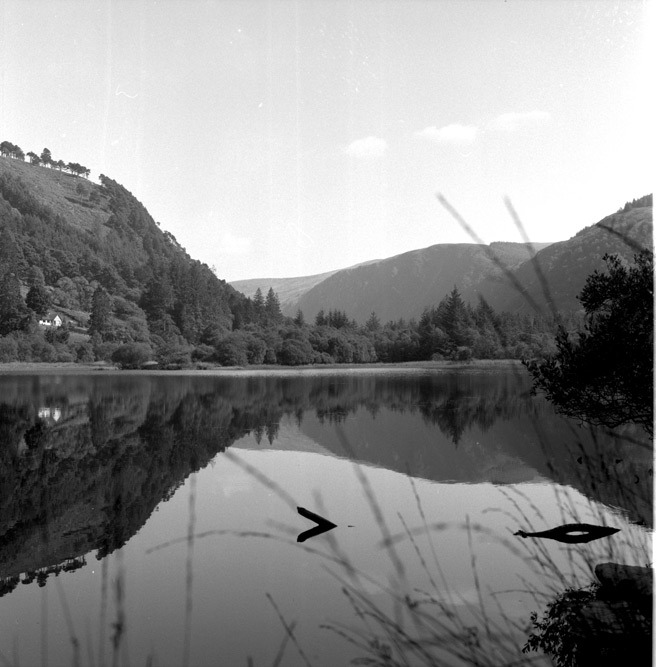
x=231, y=244
x=367, y=148
x=509, y=122
x=449, y=134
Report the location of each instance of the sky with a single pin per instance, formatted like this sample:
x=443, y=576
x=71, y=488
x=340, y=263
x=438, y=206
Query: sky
x=285, y=138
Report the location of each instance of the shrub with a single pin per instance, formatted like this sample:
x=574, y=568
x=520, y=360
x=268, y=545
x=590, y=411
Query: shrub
x=131, y=355
x=553, y=633
x=256, y=350
x=464, y=354
x=8, y=349
x=294, y=352
x=322, y=358
x=42, y=350
x=202, y=353
x=174, y=356
x=104, y=351
x=63, y=354
x=232, y=350
x=83, y=352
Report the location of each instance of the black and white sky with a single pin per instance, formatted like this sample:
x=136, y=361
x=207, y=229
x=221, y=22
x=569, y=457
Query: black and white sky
x=281, y=138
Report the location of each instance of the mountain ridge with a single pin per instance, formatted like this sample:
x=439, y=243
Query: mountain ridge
x=292, y=291
x=549, y=275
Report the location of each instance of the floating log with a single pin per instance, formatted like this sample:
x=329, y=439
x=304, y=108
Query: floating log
x=573, y=533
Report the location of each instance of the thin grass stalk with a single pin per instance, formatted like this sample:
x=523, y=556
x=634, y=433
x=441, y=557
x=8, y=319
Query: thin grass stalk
x=422, y=514
x=277, y=661
x=289, y=629
x=544, y=285
x=103, y=611
x=44, y=627
x=189, y=578
x=489, y=252
x=119, y=624
x=90, y=656
x=374, y=506
x=75, y=642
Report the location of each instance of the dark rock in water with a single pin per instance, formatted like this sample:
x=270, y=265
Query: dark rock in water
x=625, y=581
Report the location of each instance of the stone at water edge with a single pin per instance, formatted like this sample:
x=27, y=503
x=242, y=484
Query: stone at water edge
x=625, y=580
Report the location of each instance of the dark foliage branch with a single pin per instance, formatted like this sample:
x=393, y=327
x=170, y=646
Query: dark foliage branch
x=604, y=375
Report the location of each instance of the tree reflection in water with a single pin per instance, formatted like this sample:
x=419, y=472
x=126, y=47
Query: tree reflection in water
x=121, y=444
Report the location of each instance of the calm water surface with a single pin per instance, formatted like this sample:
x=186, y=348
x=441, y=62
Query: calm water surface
x=152, y=520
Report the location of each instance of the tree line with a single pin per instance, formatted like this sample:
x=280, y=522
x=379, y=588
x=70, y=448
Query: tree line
x=139, y=297
x=174, y=323
x=135, y=296
x=7, y=149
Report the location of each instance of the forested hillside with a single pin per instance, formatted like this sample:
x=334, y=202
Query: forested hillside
x=80, y=244
x=87, y=275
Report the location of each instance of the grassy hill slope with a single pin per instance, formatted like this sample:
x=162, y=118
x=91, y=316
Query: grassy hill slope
x=83, y=204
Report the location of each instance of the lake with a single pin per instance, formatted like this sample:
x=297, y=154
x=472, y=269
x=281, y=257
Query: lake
x=151, y=519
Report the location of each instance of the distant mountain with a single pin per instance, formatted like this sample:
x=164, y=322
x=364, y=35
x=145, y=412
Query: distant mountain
x=402, y=286
x=510, y=276
x=289, y=290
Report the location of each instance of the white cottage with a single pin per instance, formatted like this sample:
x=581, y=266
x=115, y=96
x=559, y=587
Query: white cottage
x=51, y=320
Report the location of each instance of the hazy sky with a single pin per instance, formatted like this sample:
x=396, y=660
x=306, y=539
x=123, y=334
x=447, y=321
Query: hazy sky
x=288, y=138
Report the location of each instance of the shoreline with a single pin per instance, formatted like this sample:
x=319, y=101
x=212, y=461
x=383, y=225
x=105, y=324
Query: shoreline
x=71, y=368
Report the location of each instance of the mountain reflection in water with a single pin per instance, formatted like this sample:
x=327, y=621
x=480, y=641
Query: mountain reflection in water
x=85, y=460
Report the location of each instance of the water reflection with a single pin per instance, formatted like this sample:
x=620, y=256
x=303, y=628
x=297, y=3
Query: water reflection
x=85, y=460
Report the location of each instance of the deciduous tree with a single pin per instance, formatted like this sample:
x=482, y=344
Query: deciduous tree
x=38, y=299
x=46, y=157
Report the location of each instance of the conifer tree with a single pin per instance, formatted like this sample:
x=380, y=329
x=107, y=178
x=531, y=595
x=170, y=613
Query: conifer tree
x=9, y=253
x=101, y=312
x=258, y=305
x=373, y=323
x=158, y=298
x=14, y=315
x=272, y=307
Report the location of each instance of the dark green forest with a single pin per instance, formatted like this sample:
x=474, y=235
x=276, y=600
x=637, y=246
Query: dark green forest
x=128, y=293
